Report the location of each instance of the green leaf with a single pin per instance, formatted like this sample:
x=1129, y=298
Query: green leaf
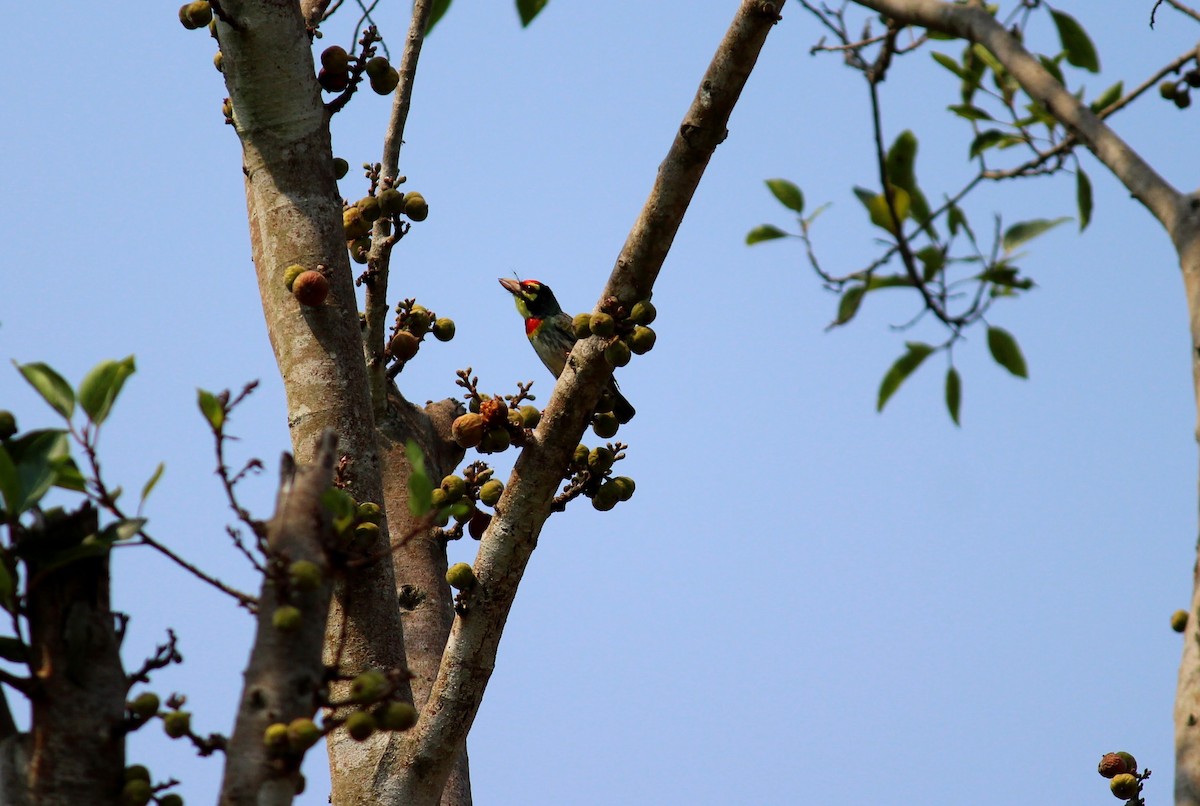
x=1108, y=97
x=39, y=457
x=1007, y=353
x=765, y=232
x=440, y=7
x=888, y=281
x=420, y=487
x=969, y=112
x=123, y=529
x=212, y=409
x=158, y=471
x=1052, y=68
x=934, y=260
x=904, y=366
x=953, y=393
x=985, y=140
x=10, y=485
x=788, y=194
x=1083, y=198
x=1024, y=231
x=881, y=216
x=1075, y=42
x=528, y=9
x=950, y=64
x=848, y=304
x=51, y=386
x=102, y=385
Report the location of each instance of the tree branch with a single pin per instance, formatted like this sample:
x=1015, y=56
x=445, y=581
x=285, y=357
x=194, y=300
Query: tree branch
x=285, y=671
x=428, y=751
x=377, y=307
x=973, y=23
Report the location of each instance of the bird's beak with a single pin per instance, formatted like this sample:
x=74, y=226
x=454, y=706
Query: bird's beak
x=511, y=286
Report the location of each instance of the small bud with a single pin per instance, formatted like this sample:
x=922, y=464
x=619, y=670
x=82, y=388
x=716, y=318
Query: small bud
x=603, y=325
x=1192, y=77
x=643, y=313
x=530, y=416
x=580, y=457
x=641, y=340
x=418, y=320
x=478, y=524
x=291, y=273
x=360, y=725
x=335, y=58
x=304, y=575
x=496, y=440
x=170, y=799
x=397, y=716
x=1124, y=786
x=391, y=202
x=275, y=737
x=369, y=207
x=136, y=772
x=1112, y=764
x=599, y=460
x=1183, y=98
x=386, y=83
x=311, y=288
x=606, y=497
x=454, y=488
x=366, y=534
x=137, y=793
x=177, y=723
x=467, y=430
x=219, y=62
x=461, y=576
x=1179, y=620
x=617, y=353
x=438, y=498
x=354, y=224
x=404, y=345
x=360, y=249
x=377, y=67
x=368, y=687
x=195, y=15
x=1167, y=89
x=287, y=618
x=144, y=705
x=494, y=412
x=370, y=512
x=582, y=325
x=1130, y=761
x=626, y=486
x=340, y=167
x=605, y=424
x=333, y=80
x=415, y=206
x=302, y=733
x=443, y=329
x=490, y=492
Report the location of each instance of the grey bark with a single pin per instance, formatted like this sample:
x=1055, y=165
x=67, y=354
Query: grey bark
x=285, y=672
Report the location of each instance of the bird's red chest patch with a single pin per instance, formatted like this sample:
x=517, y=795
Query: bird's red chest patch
x=531, y=326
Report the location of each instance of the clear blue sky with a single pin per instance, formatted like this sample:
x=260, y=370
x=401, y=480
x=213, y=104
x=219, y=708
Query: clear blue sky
x=804, y=599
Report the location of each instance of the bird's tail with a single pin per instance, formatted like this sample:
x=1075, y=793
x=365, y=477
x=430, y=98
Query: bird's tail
x=620, y=406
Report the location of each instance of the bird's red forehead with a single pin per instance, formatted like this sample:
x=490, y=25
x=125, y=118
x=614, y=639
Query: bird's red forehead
x=530, y=284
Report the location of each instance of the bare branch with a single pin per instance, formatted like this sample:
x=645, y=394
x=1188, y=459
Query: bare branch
x=381, y=251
